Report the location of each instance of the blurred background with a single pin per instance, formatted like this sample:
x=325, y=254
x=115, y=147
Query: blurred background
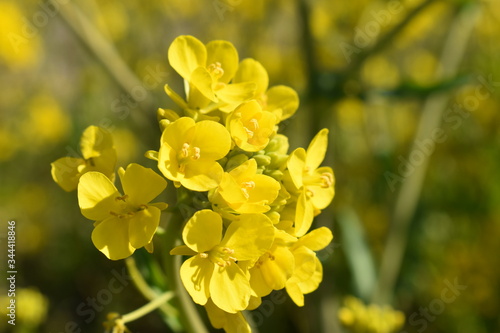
x=408, y=88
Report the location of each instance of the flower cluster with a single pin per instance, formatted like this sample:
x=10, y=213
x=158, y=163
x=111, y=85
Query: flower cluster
x=358, y=317
x=252, y=201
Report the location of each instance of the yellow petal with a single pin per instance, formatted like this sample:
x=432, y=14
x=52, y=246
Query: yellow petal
x=266, y=190
x=251, y=70
x=65, y=172
x=223, y=52
x=97, y=196
x=230, y=191
x=203, y=82
x=95, y=140
x=230, y=322
x=141, y=184
x=322, y=195
x=111, y=238
x=296, y=164
x=196, y=273
x=203, y=231
x=229, y=288
x=304, y=215
x=235, y=93
x=317, y=150
x=212, y=138
x=142, y=226
x=311, y=284
x=185, y=54
x=104, y=163
x=283, y=98
x=278, y=269
x=168, y=164
x=182, y=250
x=259, y=283
x=178, y=133
x=317, y=239
x=202, y=175
x=250, y=236
x=293, y=290
x=305, y=264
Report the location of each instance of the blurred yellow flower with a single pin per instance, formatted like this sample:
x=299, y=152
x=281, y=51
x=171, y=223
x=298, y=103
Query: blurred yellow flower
x=358, y=317
x=20, y=45
x=189, y=151
x=46, y=121
x=98, y=153
x=123, y=222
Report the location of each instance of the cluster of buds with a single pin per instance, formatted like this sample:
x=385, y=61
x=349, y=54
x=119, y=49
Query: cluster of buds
x=252, y=201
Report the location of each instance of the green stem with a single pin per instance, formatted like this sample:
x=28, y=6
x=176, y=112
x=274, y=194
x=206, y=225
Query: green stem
x=149, y=307
x=145, y=289
x=452, y=54
x=187, y=310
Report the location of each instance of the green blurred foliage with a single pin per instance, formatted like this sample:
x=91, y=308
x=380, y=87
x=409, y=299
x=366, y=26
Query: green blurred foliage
x=364, y=69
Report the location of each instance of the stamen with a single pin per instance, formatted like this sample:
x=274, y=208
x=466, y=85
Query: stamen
x=196, y=154
x=216, y=70
x=203, y=255
x=122, y=198
x=246, y=186
x=326, y=179
x=249, y=132
x=185, y=149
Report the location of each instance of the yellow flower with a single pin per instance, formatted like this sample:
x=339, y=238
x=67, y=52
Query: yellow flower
x=314, y=184
x=98, y=153
x=275, y=267
x=245, y=191
x=189, y=151
x=207, y=70
x=126, y=222
x=214, y=269
x=281, y=100
x=308, y=271
x=250, y=127
x=230, y=322
x=372, y=318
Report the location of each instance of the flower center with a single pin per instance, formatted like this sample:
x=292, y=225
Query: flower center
x=125, y=209
x=246, y=187
x=221, y=255
x=186, y=154
x=324, y=180
x=251, y=127
x=215, y=70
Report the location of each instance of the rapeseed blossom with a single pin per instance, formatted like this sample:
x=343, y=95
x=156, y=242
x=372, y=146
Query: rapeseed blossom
x=98, y=152
x=123, y=222
x=246, y=202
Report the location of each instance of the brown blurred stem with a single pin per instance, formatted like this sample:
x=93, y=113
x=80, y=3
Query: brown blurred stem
x=105, y=52
x=452, y=54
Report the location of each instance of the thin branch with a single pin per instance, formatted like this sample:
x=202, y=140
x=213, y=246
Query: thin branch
x=105, y=52
x=406, y=202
